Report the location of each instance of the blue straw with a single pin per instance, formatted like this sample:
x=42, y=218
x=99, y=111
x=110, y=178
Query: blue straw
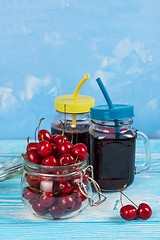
x=108, y=100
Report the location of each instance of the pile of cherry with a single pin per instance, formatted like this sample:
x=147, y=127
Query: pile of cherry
x=57, y=195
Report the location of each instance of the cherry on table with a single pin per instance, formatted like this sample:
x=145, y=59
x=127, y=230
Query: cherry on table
x=49, y=161
x=128, y=212
x=44, y=134
x=144, y=211
x=33, y=156
x=47, y=199
x=65, y=147
x=66, y=159
x=60, y=139
x=44, y=148
x=79, y=150
x=66, y=201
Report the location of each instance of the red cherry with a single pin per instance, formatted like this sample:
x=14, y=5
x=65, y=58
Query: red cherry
x=77, y=194
x=66, y=159
x=128, y=212
x=33, y=156
x=60, y=139
x=80, y=151
x=77, y=179
x=44, y=135
x=56, y=211
x=39, y=209
x=54, y=149
x=47, y=199
x=49, y=161
x=85, y=178
x=77, y=205
x=32, y=180
x=144, y=211
x=54, y=136
x=66, y=201
x=29, y=193
x=33, y=200
x=63, y=178
x=65, y=187
x=65, y=147
x=44, y=148
x=31, y=145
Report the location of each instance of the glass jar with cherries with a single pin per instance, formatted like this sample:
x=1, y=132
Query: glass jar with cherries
x=56, y=181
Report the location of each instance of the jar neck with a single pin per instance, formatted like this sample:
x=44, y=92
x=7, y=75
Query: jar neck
x=110, y=125
x=51, y=171
x=78, y=116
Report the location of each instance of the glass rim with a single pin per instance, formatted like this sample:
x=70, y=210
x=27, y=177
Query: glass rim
x=122, y=122
x=33, y=166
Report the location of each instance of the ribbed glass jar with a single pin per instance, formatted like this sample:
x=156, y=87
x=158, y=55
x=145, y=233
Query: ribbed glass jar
x=54, y=192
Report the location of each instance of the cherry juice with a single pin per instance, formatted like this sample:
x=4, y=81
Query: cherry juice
x=113, y=160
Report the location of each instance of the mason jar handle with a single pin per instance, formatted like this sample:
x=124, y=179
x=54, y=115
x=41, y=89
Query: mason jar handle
x=82, y=188
x=147, y=163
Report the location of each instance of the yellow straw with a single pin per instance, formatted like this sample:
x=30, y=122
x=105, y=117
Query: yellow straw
x=75, y=96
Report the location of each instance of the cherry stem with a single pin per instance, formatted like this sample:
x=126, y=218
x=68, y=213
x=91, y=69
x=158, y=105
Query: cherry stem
x=72, y=139
x=121, y=194
x=127, y=198
x=27, y=140
x=64, y=121
x=38, y=127
x=76, y=159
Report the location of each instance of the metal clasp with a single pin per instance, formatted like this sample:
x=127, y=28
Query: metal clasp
x=92, y=201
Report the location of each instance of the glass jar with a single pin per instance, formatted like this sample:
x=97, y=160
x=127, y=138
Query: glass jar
x=112, y=149
x=63, y=122
x=73, y=115
x=57, y=192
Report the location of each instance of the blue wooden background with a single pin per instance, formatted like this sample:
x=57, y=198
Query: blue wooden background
x=46, y=47
x=101, y=222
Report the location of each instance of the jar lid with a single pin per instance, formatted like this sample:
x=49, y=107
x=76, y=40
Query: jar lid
x=119, y=111
x=75, y=103
x=66, y=104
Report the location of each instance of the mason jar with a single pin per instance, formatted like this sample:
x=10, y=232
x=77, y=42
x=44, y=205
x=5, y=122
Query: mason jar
x=58, y=192
x=113, y=146
x=72, y=115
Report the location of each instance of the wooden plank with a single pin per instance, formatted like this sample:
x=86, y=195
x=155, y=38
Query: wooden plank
x=63, y=230
x=144, y=189
x=99, y=222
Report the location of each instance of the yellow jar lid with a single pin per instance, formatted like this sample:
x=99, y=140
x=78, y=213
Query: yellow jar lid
x=66, y=104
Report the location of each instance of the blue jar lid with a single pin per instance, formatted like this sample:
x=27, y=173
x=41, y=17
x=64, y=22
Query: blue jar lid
x=119, y=111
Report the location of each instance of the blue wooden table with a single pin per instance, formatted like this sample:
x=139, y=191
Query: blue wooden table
x=102, y=222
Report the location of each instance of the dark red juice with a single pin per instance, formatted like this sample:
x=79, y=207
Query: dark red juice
x=113, y=160
x=79, y=135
